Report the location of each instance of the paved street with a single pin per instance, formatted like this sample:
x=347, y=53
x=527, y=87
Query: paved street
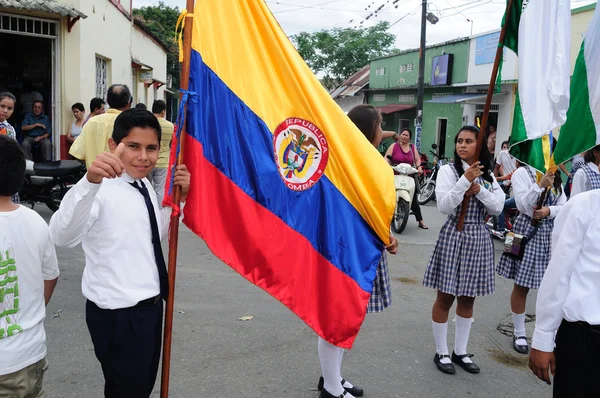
x=275, y=354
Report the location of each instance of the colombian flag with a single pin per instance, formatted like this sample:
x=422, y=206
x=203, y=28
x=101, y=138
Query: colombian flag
x=285, y=189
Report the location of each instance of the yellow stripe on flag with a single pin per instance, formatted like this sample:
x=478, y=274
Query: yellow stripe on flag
x=244, y=45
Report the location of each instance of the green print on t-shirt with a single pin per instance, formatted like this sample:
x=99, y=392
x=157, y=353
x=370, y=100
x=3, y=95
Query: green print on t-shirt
x=9, y=296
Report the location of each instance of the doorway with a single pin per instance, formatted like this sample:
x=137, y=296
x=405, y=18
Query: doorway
x=442, y=125
x=29, y=64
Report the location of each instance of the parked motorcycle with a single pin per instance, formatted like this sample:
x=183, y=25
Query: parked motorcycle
x=428, y=179
x=48, y=182
x=405, y=189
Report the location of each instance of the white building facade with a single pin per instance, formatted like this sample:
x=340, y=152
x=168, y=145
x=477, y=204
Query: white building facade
x=72, y=51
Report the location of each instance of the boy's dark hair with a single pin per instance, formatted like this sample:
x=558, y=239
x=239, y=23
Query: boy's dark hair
x=38, y=102
x=158, y=107
x=505, y=143
x=132, y=118
x=78, y=105
x=96, y=103
x=141, y=105
x=118, y=96
x=8, y=95
x=12, y=166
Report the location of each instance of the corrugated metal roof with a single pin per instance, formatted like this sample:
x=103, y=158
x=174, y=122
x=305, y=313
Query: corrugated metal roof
x=353, y=84
x=47, y=6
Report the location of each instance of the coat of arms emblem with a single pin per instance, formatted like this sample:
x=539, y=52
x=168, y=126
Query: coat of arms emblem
x=301, y=153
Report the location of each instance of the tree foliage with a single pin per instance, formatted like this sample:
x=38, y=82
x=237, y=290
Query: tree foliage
x=162, y=20
x=338, y=53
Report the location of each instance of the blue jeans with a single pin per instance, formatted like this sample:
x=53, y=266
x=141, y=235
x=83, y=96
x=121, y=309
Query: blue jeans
x=508, y=204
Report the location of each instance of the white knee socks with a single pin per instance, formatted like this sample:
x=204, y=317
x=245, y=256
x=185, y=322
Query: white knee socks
x=330, y=357
x=519, y=322
x=461, y=335
x=440, y=334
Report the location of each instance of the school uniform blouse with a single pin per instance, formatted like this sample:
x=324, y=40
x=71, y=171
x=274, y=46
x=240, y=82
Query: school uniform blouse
x=450, y=193
x=571, y=286
x=527, y=193
x=581, y=182
x=111, y=221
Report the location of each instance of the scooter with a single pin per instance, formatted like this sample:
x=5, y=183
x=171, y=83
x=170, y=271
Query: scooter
x=428, y=180
x=48, y=182
x=405, y=189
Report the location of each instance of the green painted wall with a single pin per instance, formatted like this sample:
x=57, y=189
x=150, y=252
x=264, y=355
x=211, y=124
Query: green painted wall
x=431, y=112
x=393, y=77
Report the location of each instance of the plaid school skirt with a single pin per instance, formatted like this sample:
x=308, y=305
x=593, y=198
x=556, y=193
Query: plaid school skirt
x=529, y=271
x=381, y=297
x=462, y=263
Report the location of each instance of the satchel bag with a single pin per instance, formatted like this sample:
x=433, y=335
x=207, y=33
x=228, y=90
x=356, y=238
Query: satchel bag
x=514, y=244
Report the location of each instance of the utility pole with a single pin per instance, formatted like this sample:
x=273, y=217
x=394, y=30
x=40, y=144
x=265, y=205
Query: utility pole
x=421, y=81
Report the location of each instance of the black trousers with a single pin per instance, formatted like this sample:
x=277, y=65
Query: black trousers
x=416, y=209
x=577, y=366
x=127, y=342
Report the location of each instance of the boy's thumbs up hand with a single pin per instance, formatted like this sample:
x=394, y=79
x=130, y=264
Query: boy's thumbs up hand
x=106, y=165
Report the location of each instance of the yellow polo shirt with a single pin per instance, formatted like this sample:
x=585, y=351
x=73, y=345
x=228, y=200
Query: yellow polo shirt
x=94, y=136
x=165, y=143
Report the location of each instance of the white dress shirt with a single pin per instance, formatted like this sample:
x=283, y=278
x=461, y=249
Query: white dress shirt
x=111, y=221
x=581, y=182
x=571, y=285
x=450, y=191
x=527, y=193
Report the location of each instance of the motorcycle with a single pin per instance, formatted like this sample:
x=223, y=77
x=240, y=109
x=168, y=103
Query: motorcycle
x=48, y=182
x=405, y=189
x=428, y=179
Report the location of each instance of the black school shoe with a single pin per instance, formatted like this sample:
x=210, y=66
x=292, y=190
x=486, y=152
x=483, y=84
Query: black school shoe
x=521, y=349
x=326, y=394
x=355, y=391
x=447, y=368
x=469, y=367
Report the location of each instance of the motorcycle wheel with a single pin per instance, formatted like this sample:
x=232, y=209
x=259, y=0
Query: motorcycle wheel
x=400, y=216
x=426, y=192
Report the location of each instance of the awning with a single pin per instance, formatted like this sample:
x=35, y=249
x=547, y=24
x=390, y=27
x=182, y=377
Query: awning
x=391, y=108
x=47, y=6
x=462, y=98
x=139, y=65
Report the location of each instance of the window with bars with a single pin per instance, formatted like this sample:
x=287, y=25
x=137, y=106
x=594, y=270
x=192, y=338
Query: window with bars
x=28, y=26
x=379, y=97
x=380, y=72
x=407, y=68
x=101, y=77
x=493, y=107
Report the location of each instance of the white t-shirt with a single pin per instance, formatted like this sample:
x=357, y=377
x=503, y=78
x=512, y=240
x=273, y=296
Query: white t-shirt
x=508, y=163
x=27, y=258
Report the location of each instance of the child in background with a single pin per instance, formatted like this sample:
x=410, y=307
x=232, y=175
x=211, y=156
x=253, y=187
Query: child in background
x=7, y=107
x=28, y=276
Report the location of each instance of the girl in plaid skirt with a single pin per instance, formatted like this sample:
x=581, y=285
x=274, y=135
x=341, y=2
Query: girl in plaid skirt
x=462, y=263
x=368, y=120
x=529, y=271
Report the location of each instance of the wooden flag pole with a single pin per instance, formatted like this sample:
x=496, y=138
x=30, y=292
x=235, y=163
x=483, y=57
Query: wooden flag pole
x=174, y=227
x=486, y=109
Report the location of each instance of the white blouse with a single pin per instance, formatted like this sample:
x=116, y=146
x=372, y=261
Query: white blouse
x=527, y=193
x=450, y=192
x=581, y=182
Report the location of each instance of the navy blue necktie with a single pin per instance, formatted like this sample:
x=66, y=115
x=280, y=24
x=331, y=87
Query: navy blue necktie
x=158, y=254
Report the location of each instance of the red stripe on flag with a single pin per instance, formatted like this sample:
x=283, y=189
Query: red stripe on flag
x=217, y=209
